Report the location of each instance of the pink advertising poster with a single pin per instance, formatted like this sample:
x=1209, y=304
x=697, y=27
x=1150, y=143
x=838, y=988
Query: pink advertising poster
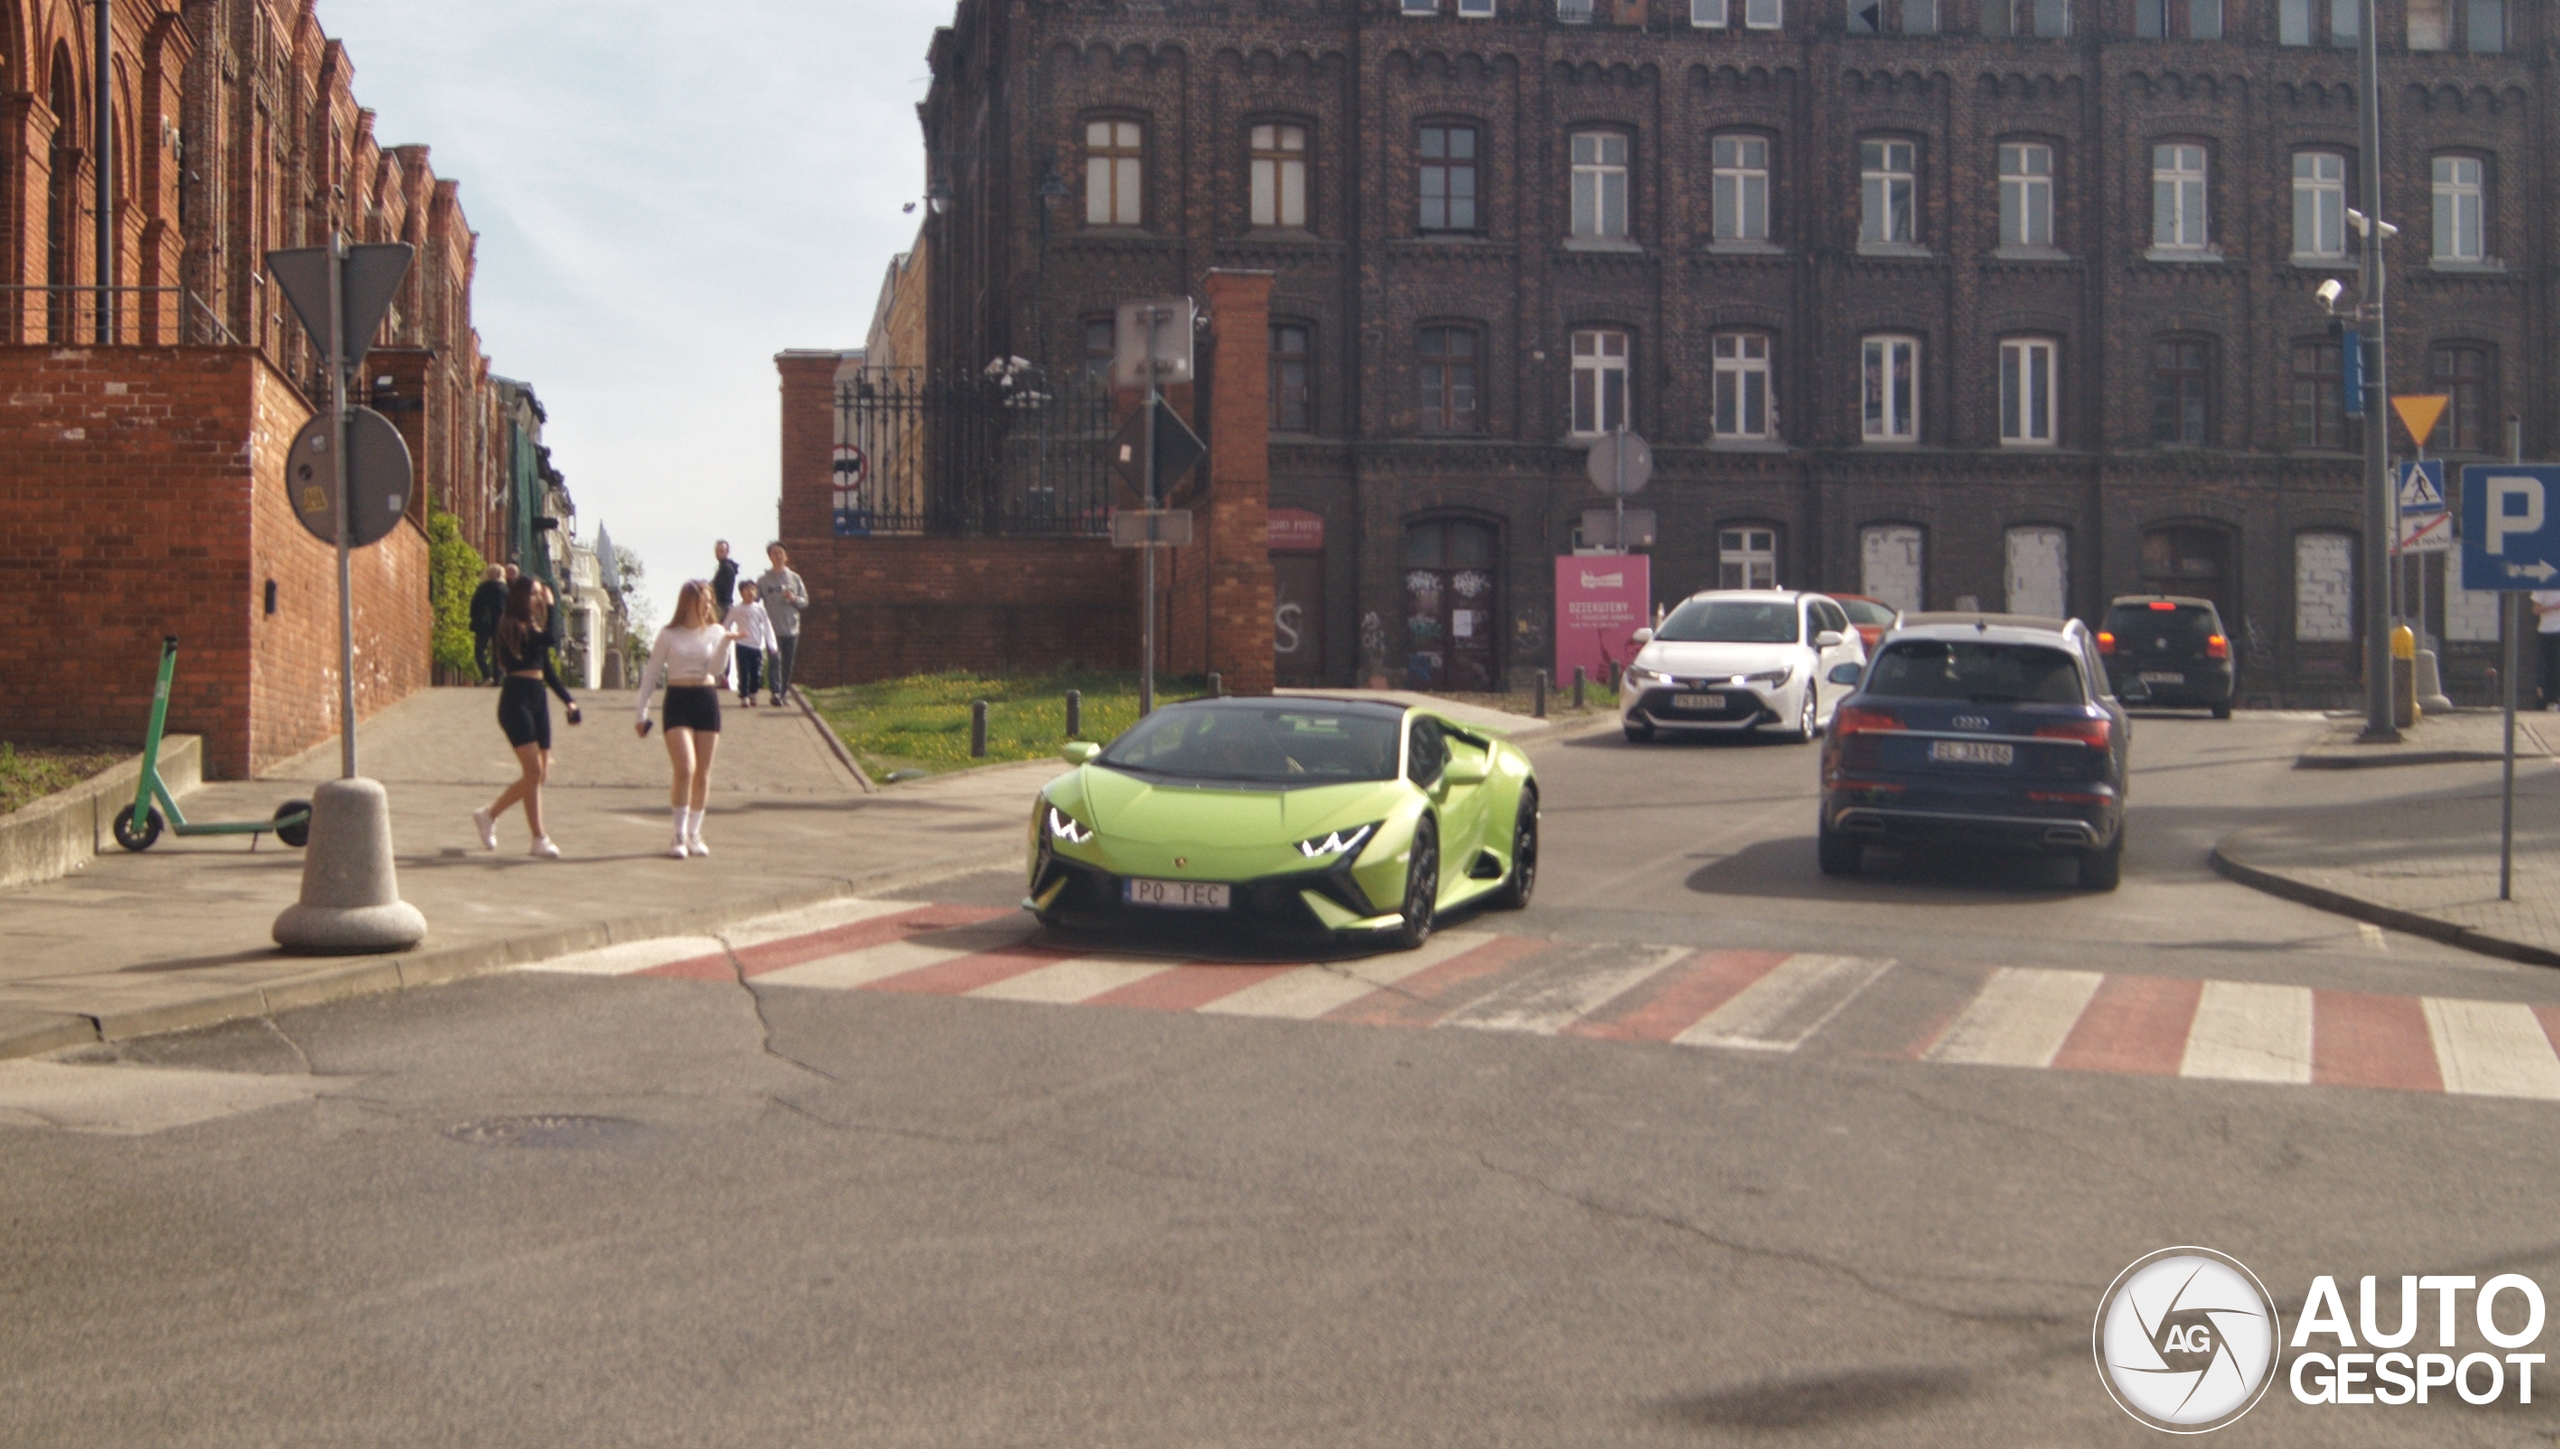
x=1601, y=599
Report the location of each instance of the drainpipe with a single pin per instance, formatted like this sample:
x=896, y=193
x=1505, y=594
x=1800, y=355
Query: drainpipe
x=102, y=83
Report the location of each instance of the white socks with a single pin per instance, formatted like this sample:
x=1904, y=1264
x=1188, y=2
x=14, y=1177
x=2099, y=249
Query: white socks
x=688, y=831
x=693, y=826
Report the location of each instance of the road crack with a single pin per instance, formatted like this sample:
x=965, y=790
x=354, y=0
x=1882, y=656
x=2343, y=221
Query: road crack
x=286, y=1037
x=764, y=1022
x=1865, y=1281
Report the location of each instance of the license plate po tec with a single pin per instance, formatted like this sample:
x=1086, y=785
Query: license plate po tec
x=1176, y=895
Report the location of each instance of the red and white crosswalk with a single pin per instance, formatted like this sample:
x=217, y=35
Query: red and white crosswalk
x=1742, y=1000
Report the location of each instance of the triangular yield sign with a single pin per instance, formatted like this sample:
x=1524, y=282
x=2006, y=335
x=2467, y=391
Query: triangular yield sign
x=372, y=280
x=2418, y=413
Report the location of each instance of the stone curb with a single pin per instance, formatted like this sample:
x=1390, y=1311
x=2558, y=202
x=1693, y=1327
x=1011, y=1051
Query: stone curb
x=64, y=831
x=365, y=976
x=2385, y=756
x=2322, y=898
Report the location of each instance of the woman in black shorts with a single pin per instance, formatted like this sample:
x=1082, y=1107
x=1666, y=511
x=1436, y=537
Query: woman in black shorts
x=692, y=655
x=522, y=651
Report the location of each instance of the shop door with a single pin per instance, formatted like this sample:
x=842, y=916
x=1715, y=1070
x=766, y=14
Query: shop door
x=1297, y=618
x=1452, y=606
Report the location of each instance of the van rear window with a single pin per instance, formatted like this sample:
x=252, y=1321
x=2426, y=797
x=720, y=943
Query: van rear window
x=1976, y=673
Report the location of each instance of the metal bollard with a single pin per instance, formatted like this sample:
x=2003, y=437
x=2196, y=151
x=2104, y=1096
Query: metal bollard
x=1075, y=714
x=1577, y=686
x=1540, y=712
x=977, y=729
x=1217, y=686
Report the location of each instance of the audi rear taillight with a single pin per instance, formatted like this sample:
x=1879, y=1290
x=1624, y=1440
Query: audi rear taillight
x=2106, y=642
x=2091, y=732
x=1852, y=719
x=2217, y=647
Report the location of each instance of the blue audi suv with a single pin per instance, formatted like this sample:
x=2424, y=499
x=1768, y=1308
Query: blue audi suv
x=1990, y=730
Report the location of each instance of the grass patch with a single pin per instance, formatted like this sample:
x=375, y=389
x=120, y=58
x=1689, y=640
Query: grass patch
x=921, y=723
x=29, y=775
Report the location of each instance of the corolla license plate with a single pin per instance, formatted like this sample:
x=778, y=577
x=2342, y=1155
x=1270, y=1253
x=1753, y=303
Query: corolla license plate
x=2155, y=677
x=1175, y=895
x=1697, y=703
x=1971, y=752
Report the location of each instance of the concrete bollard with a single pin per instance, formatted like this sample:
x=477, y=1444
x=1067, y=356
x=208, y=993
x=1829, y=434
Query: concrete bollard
x=350, y=902
x=2404, y=676
x=2431, y=698
x=977, y=729
x=1540, y=711
x=1577, y=686
x=1075, y=714
x=1217, y=685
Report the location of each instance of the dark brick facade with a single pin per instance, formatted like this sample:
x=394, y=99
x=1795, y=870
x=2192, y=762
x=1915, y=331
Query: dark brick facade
x=2223, y=510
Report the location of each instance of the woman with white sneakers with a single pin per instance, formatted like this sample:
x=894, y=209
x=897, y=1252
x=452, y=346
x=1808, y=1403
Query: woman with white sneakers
x=691, y=656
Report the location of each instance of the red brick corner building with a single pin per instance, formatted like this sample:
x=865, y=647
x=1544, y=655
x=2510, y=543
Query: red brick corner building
x=142, y=452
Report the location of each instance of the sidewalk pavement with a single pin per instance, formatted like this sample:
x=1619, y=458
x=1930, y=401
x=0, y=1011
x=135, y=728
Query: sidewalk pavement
x=178, y=936
x=2436, y=739
x=2428, y=866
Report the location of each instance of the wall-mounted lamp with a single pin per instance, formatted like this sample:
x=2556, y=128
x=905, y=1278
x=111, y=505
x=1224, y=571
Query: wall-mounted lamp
x=938, y=196
x=1053, y=189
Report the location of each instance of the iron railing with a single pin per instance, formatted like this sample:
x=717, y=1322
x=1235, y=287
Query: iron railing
x=67, y=315
x=1006, y=451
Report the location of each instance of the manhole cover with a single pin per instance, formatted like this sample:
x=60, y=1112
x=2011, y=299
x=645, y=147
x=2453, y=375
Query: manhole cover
x=553, y=1129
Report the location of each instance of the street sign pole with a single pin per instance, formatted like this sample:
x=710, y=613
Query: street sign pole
x=2378, y=725
x=346, y=513
x=1618, y=486
x=1147, y=568
x=2510, y=604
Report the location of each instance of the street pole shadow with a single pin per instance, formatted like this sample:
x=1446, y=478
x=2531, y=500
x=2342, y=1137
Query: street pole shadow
x=1788, y=870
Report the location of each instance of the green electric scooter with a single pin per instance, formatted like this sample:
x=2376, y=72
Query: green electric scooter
x=139, y=827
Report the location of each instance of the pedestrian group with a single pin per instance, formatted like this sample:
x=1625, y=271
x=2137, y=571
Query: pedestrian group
x=719, y=624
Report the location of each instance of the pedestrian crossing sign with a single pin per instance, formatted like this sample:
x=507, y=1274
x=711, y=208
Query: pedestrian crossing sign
x=2422, y=486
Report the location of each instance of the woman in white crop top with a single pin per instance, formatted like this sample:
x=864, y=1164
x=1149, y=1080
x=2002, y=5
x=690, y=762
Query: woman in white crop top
x=691, y=656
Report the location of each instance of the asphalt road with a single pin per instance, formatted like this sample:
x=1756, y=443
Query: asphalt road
x=569, y=1209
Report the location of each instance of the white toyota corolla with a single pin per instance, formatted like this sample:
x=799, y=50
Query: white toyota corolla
x=1738, y=659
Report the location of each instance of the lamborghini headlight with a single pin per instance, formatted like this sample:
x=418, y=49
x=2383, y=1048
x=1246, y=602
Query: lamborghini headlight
x=1341, y=844
x=1063, y=826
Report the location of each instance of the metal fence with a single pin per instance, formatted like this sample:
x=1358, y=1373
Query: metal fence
x=66, y=315
x=999, y=452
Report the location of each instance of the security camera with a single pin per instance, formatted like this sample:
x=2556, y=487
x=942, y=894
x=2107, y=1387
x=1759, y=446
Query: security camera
x=2358, y=220
x=2329, y=292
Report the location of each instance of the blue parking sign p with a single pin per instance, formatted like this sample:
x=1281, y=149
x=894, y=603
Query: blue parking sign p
x=2510, y=531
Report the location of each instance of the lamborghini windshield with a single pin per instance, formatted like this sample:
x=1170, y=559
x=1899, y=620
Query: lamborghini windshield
x=1280, y=744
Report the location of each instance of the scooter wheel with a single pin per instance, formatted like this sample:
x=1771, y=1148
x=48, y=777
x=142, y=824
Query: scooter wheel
x=298, y=834
x=132, y=837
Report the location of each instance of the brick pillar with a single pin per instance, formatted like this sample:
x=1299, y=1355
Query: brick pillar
x=1238, y=522
x=807, y=523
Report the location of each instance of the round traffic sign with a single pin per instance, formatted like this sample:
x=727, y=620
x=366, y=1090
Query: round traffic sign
x=1616, y=475
x=377, y=477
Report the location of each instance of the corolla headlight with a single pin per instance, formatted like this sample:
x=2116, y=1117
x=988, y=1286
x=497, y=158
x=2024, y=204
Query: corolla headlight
x=1774, y=678
x=1644, y=678
x=1063, y=826
x=1343, y=844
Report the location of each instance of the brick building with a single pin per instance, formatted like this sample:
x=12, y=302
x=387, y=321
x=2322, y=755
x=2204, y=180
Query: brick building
x=141, y=444
x=1944, y=301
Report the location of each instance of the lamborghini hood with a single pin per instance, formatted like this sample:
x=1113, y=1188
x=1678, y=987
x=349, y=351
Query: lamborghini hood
x=1127, y=807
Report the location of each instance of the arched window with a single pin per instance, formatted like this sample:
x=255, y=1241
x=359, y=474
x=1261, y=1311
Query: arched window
x=1445, y=369
x=1279, y=175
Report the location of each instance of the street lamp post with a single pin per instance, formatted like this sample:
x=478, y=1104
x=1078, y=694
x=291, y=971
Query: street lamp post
x=2378, y=725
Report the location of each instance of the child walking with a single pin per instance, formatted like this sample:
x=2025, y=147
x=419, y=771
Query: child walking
x=753, y=629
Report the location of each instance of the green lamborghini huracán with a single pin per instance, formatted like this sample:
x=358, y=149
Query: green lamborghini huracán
x=1297, y=815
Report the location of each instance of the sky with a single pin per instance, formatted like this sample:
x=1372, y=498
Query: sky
x=667, y=194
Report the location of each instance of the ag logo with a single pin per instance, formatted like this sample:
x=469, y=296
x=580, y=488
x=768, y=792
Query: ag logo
x=2186, y=1340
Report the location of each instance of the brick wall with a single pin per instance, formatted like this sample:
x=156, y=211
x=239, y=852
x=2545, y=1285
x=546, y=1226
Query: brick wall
x=140, y=496
x=884, y=607
x=1221, y=584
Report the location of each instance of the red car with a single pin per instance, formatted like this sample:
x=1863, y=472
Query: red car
x=1872, y=616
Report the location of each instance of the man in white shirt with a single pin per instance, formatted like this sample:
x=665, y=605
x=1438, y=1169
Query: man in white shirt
x=748, y=620
x=2546, y=685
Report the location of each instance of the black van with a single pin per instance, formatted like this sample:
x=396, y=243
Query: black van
x=2168, y=651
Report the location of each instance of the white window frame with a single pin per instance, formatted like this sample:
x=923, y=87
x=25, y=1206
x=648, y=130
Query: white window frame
x=1115, y=172
x=1421, y=7
x=1741, y=187
x=2320, y=203
x=1278, y=158
x=2442, y=11
x=1888, y=191
x=2030, y=392
x=2460, y=188
x=1600, y=185
x=1711, y=14
x=1764, y=14
x=1889, y=388
x=1743, y=386
x=1746, y=557
x=1475, y=9
x=2026, y=195
x=1600, y=380
x=2181, y=173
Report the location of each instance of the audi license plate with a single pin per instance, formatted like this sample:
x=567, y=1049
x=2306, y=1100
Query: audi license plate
x=1697, y=703
x=2151, y=677
x=1971, y=752
x=1175, y=895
